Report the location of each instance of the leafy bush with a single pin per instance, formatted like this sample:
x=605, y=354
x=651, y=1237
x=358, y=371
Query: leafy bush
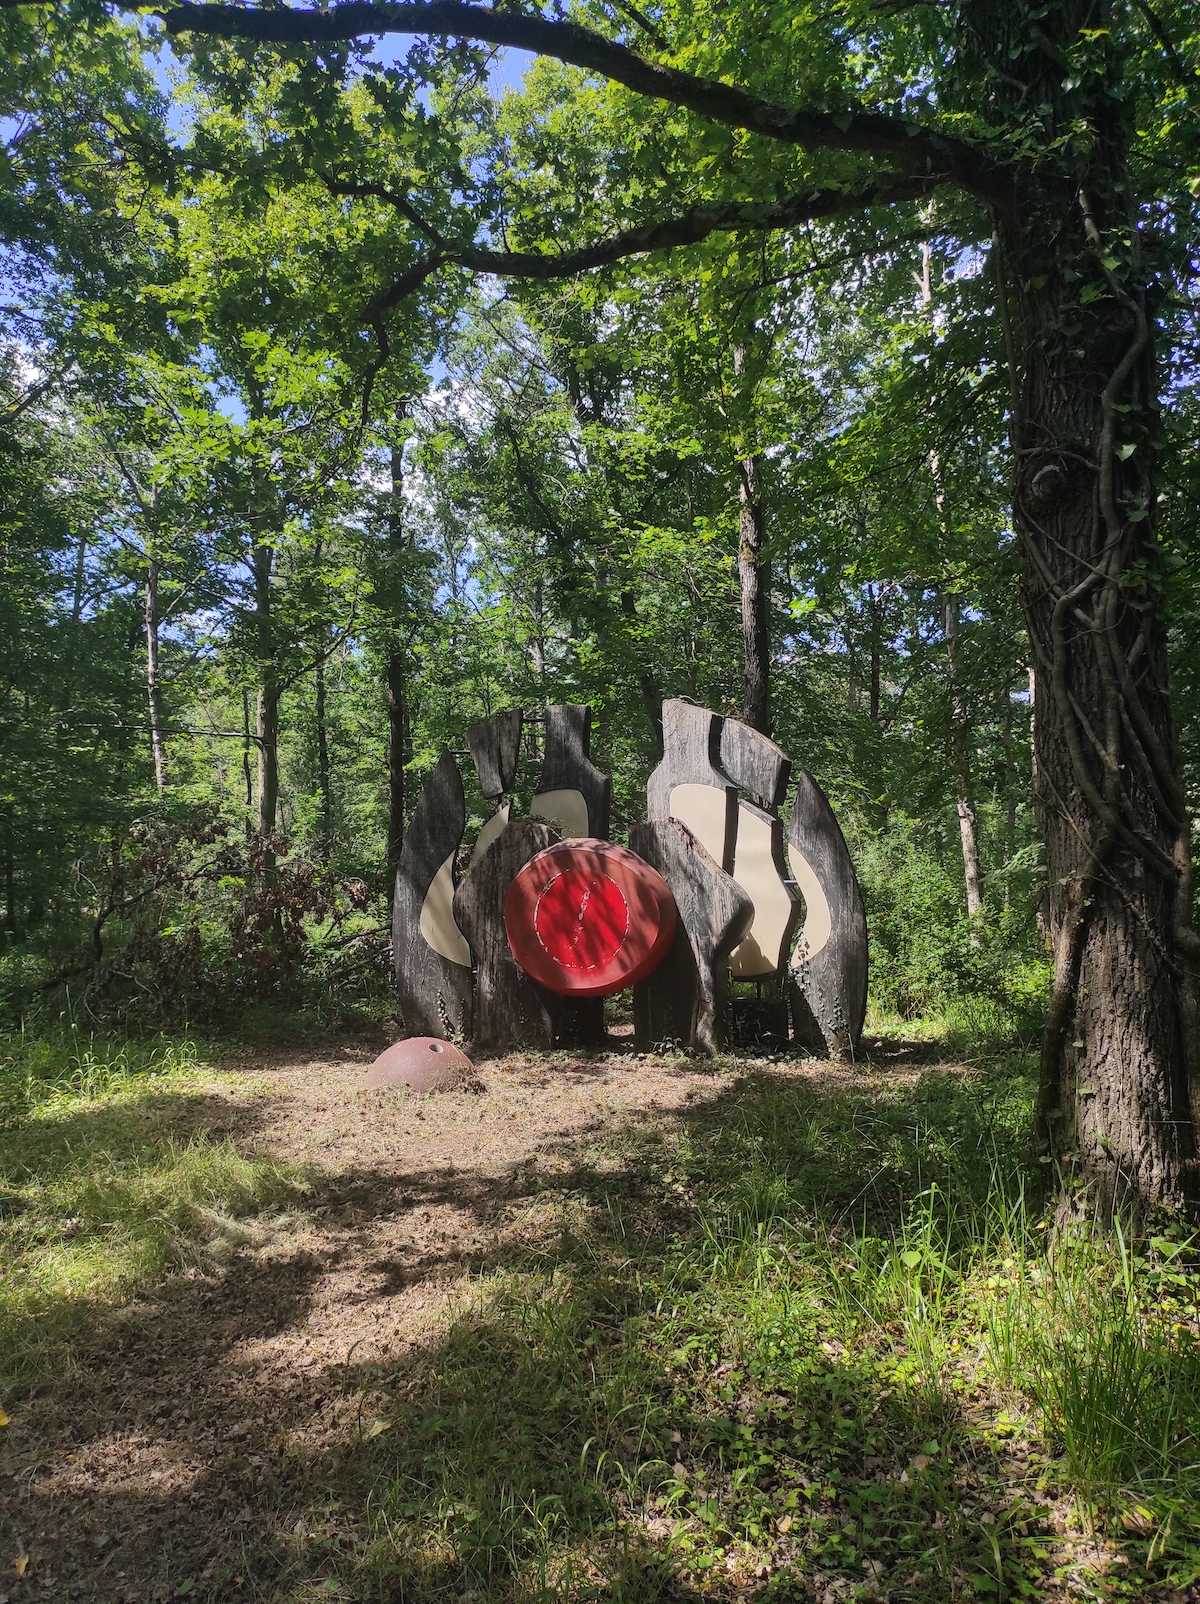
x=928, y=958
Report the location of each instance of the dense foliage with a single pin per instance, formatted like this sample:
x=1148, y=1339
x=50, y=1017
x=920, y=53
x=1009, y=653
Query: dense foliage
x=247, y=506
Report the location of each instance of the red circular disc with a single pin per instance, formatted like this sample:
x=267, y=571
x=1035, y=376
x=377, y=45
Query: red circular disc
x=587, y=918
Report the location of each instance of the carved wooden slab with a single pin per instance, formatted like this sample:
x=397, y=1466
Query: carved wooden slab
x=755, y=764
x=433, y=975
x=690, y=784
x=686, y=999
x=572, y=793
x=495, y=746
x=510, y=1010
x=829, y=966
x=760, y=867
x=762, y=769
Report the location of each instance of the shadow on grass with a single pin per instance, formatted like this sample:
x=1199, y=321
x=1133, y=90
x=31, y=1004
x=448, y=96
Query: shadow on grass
x=721, y=1365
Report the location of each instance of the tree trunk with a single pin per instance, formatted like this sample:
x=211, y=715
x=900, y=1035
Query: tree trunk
x=153, y=687
x=246, y=770
x=968, y=827
x=324, y=779
x=395, y=671
x=267, y=720
x=648, y=685
x=754, y=582
x=1114, y=1099
x=960, y=745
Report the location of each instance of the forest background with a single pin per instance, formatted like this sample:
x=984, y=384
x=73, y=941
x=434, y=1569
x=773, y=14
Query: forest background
x=255, y=576
x=329, y=424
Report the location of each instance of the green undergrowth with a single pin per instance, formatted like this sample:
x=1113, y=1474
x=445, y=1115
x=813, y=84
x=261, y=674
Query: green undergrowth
x=813, y=1344
x=103, y=1186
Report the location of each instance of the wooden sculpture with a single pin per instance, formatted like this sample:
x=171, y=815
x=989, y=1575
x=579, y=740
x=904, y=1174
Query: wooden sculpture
x=829, y=966
x=572, y=793
x=555, y=919
x=432, y=960
x=495, y=746
x=690, y=785
x=686, y=999
x=510, y=1009
x=756, y=765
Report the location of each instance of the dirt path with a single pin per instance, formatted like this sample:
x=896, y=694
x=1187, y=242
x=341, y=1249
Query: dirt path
x=199, y=1448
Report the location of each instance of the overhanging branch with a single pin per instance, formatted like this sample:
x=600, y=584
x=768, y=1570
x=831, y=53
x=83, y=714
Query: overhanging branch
x=912, y=144
x=690, y=228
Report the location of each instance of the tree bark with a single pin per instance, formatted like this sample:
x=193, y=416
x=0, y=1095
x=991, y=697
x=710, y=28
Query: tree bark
x=754, y=583
x=324, y=778
x=246, y=744
x=395, y=670
x=1119, y=1046
x=754, y=575
x=153, y=685
x=267, y=716
x=968, y=828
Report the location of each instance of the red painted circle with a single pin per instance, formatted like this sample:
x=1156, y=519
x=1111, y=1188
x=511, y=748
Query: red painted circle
x=587, y=918
x=582, y=919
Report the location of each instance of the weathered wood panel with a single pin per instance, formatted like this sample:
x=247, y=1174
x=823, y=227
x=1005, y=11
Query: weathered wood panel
x=760, y=867
x=495, y=747
x=686, y=999
x=510, y=1010
x=829, y=966
x=433, y=991
x=567, y=767
x=690, y=784
x=755, y=764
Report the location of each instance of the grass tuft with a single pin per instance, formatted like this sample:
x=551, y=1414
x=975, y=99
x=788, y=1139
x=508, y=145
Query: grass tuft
x=103, y=1189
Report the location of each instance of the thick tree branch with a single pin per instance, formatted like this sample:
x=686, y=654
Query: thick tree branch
x=902, y=140
x=690, y=228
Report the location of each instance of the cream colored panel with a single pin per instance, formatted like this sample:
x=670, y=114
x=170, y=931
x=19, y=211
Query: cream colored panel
x=566, y=810
x=754, y=870
x=437, y=918
x=491, y=829
x=818, y=921
x=702, y=809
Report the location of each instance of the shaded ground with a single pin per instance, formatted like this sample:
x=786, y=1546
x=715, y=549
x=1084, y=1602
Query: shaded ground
x=197, y=1438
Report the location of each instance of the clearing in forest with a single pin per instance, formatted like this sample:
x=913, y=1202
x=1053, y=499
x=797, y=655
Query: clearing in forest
x=611, y=1326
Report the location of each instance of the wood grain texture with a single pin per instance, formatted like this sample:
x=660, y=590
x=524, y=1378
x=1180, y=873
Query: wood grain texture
x=692, y=757
x=434, y=993
x=495, y=747
x=686, y=999
x=510, y=1010
x=755, y=763
x=567, y=765
x=829, y=976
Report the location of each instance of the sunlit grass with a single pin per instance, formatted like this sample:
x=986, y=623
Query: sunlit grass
x=809, y=1346
x=102, y=1188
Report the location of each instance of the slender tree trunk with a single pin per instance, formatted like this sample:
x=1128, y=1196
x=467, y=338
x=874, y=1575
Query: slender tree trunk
x=324, y=779
x=1010, y=788
x=754, y=577
x=267, y=718
x=10, y=882
x=968, y=825
x=648, y=685
x=754, y=582
x=968, y=828
x=1120, y=1040
x=153, y=686
x=246, y=767
x=395, y=668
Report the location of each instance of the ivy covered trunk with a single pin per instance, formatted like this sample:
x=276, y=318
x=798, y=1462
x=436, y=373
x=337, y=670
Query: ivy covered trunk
x=1115, y=1105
